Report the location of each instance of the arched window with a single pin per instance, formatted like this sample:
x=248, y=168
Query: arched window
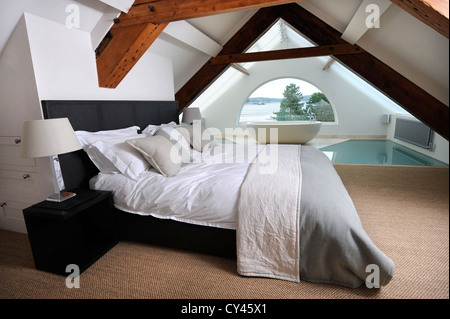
x=287, y=99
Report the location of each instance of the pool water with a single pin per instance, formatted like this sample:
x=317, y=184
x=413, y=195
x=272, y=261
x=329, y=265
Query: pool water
x=380, y=152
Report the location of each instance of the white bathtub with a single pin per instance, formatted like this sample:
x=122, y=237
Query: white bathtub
x=292, y=132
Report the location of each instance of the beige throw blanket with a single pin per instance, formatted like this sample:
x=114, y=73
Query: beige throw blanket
x=268, y=215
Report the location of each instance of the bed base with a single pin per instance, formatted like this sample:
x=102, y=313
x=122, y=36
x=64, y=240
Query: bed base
x=178, y=235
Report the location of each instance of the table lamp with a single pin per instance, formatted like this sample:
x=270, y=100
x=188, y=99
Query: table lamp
x=51, y=137
x=191, y=114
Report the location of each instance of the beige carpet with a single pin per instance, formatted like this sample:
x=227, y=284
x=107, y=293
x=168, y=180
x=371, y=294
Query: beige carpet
x=405, y=210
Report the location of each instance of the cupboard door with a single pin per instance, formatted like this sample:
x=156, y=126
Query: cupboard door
x=10, y=158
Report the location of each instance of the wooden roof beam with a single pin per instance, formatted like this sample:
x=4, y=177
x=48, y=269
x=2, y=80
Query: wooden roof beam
x=121, y=49
x=326, y=50
x=434, y=13
x=162, y=11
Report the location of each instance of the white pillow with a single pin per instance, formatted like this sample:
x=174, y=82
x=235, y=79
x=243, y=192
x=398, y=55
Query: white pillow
x=127, y=131
x=161, y=153
x=152, y=129
x=86, y=139
x=103, y=164
x=111, y=154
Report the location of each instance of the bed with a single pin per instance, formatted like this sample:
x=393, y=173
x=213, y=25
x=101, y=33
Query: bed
x=310, y=230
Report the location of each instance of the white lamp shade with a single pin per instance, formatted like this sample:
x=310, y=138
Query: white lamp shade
x=48, y=137
x=191, y=114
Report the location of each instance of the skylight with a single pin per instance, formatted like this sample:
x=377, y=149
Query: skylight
x=279, y=36
x=282, y=36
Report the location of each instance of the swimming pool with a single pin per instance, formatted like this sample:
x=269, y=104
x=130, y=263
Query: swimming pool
x=379, y=152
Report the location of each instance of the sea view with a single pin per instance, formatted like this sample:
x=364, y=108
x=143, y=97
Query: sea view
x=258, y=112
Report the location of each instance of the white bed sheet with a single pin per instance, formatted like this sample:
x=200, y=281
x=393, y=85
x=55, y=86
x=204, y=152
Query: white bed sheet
x=204, y=192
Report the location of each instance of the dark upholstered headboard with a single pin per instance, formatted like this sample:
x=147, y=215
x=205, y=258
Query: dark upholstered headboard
x=94, y=116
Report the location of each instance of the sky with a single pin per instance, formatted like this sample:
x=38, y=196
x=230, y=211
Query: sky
x=276, y=88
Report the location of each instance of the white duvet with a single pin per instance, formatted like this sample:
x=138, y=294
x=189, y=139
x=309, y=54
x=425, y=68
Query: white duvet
x=209, y=187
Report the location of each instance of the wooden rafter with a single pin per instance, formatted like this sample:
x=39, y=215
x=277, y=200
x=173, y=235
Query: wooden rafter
x=121, y=49
x=434, y=13
x=162, y=11
x=407, y=94
x=324, y=50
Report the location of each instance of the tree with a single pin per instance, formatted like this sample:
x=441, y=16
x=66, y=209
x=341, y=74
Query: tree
x=316, y=97
x=321, y=107
x=291, y=107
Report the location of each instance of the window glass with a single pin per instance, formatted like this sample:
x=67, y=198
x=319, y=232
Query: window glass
x=287, y=100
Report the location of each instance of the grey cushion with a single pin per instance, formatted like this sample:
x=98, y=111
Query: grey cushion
x=178, y=141
x=199, y=137
x=160, y=153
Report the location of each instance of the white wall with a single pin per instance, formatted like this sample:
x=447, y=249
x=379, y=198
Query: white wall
x=358, y=113
x=426, y=63
x=12, y=10
x=18, y=91
x=19, y=101
x=65, y=67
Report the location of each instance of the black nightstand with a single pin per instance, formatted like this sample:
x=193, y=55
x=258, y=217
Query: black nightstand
x=77, y=231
